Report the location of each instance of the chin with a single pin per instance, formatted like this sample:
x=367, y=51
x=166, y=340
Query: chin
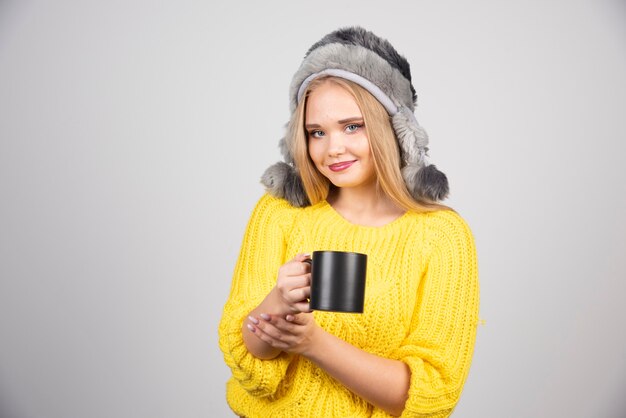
x=347, y=183
x=348, y=180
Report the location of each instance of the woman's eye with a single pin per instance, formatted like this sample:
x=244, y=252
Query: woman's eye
x=353, y=127
x=316, y=134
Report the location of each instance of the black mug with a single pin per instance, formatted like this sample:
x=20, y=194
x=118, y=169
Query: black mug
x=338, y=281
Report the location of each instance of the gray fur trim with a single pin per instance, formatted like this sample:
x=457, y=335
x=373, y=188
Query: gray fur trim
x=360, y=61
x=284, y=151
x=374, y=90
x=281, y=180
x=356, y=35
x=412, y=138
x=426, y=183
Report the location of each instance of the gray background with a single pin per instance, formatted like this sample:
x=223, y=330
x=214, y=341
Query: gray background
x=132, y=136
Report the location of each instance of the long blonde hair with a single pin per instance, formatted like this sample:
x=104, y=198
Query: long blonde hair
x=383, y=146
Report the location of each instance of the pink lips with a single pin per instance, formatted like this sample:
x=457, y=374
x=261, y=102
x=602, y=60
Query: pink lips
x=341, y=166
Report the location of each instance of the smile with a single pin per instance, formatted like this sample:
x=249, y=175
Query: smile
x=344, y=165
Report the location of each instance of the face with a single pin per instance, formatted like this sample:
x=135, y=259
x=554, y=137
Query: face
x=337, y=137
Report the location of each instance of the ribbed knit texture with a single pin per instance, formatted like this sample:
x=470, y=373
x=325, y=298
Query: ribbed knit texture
x=421, y=307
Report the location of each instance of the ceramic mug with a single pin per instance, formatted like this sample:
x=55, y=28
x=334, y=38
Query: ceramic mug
x=338, y=281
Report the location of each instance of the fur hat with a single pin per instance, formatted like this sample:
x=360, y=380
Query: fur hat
x=373, y=63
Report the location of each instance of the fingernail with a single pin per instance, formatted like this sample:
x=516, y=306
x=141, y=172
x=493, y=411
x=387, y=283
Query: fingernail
x=250, y=327
x=265, y=316
x=253, y=320
x=289, y=318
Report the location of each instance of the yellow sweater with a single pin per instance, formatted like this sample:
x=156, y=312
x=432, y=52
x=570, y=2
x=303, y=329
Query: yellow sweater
x=421, y=307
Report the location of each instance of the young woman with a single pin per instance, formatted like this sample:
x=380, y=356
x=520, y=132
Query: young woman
x=355, y=178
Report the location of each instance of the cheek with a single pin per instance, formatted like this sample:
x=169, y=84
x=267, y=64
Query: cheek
x=315, y=151
x=364, y=148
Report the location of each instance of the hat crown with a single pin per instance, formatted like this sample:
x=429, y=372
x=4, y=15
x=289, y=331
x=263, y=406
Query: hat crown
x=362, y=37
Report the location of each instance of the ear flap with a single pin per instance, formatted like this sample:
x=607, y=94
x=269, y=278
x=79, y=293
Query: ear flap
x=284, y=151
x=426, y=182
x=281, y=180
x=412, y=138
x=423, y=181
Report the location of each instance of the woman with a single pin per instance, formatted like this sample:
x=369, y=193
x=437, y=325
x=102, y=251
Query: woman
x=355, y=179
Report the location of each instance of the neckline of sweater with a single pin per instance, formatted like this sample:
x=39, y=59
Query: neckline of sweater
x=327, y=207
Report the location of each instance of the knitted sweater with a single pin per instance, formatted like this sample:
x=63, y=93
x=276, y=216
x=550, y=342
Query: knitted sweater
x=421, y=307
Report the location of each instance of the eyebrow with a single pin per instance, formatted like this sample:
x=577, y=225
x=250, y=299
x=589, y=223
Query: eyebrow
x=339, y=122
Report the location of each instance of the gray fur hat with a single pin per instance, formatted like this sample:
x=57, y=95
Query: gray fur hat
x=373, y=63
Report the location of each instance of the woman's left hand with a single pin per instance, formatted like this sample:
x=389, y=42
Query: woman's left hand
x=292, y=333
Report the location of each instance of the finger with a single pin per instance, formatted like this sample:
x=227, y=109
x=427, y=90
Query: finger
x=269, y=340
x=302, y=307
x=298, y=295
x=298, y=306
x=302, y=257
x=286, y=328
x=303, y=318
x=287, y=284
x=300, y=263
x=307, y=261
x=293, y=268
x=268, y=327
x=302, y=280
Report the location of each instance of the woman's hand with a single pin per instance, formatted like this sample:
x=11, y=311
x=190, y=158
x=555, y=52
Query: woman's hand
x=293, y=286
x=288, y=298
x=292, y=334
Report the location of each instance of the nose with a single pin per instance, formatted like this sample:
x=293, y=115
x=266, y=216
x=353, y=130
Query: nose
x=336, y=145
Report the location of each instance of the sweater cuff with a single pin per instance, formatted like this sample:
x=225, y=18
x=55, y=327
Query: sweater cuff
x=258, y=377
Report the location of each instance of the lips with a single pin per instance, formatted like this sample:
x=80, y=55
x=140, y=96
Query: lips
x=344, y=165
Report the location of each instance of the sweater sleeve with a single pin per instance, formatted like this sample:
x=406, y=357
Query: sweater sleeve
x=262, y=253
x=439, y=346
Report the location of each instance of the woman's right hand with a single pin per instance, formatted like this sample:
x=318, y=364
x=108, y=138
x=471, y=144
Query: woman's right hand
x=288, y=297
x=293, y=286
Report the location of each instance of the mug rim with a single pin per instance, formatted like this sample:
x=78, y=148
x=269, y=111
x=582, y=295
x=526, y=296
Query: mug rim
x=338, y=252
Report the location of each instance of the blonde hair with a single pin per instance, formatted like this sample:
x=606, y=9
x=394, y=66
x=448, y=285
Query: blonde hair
x=383, y=146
